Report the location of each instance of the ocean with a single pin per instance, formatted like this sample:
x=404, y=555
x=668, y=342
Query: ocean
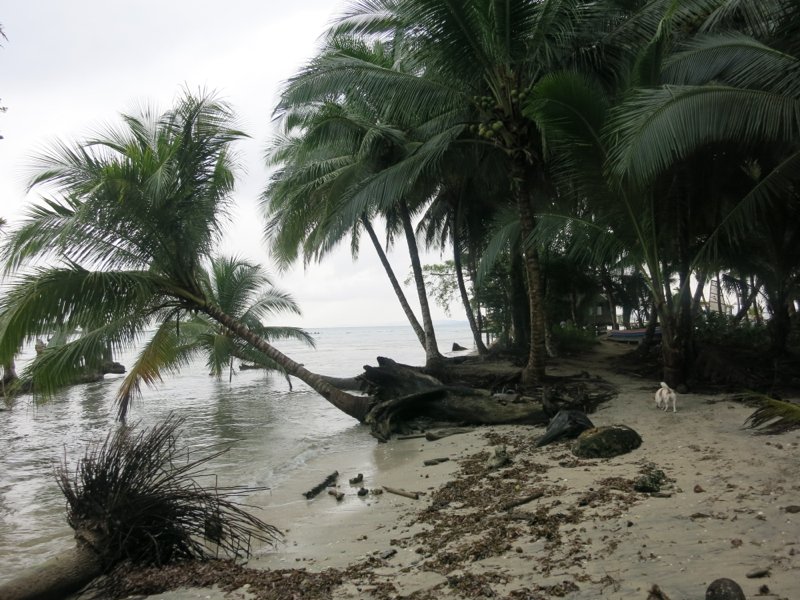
x=270, y=430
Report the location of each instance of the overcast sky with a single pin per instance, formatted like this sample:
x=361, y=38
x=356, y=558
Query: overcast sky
x=68, y=68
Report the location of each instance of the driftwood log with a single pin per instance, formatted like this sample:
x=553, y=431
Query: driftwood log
x=401, y=393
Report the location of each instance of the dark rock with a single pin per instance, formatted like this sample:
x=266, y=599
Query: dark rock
x=757, y=572
x=457, y=347
x=605, y=442
x=363, y=492
x=651, y=480
x=566, y=424
x=724, y=589
x=114, y=368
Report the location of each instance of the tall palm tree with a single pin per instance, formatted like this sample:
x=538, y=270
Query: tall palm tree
x=332, y=149
x=132, y=218
x=238, y=288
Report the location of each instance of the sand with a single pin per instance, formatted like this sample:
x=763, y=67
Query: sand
x=728, y=512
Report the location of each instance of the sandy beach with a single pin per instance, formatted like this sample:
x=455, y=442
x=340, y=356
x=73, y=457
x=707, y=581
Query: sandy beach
x=731, y=508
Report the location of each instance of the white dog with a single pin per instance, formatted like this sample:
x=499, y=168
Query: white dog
x=664, y=395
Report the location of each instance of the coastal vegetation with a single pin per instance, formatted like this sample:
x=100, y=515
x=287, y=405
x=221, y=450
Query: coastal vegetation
x=620, y=152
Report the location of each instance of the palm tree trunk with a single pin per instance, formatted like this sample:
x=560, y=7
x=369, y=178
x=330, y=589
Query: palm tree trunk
x=534, y=370
x=462, y=288
x=55, y=579
x=355, y=406
x=748, y=302
x=431, y=347
x=412, y=318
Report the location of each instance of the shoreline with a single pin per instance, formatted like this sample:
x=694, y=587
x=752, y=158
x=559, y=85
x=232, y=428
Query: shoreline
x=728, y=513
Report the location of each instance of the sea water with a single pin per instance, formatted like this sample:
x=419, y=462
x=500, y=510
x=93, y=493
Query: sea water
x=270, y=431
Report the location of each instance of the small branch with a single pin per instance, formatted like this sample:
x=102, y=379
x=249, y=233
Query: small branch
x=412, y=495
x=524, y=500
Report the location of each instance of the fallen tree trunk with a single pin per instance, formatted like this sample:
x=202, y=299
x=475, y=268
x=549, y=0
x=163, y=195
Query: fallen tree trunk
x=56, y=578
x=405, y=393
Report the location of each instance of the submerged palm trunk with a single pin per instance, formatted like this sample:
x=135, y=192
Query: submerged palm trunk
x=57, y=578
x=412, y=318
x=355, y=406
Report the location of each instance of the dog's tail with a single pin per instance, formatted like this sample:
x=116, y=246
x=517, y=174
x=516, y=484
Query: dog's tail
x=665, y=386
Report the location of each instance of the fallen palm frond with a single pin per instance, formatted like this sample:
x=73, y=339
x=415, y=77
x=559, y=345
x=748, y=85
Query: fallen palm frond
x=772, y=416
x=135, y=497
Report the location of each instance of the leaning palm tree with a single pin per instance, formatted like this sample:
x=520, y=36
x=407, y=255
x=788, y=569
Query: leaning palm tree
x=131, y=218
x=240, y=289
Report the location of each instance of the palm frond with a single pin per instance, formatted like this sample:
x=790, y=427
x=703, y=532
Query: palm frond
x=165, y=351
x=72, y=298
x=653, y=128
x=773, y=416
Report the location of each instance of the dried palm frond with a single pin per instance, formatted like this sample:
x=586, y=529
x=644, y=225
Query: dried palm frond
x=772, y=416
x=135, y=497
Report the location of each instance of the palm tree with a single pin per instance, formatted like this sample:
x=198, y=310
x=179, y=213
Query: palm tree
x=132, y=216
x=678, y=148
x=330, y=151
x=238, y=288
x=475, y=61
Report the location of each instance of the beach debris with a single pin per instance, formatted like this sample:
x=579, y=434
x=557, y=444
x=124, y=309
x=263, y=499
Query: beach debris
x=792, y=508
x=656, y=594
x=524, y=500
x=411, y=436
x=566, y=424
x=432, y=436
x=435, y=461
x=698, y=489
x=724, y=589
x=651, y=480
x=327, y=482
x=457, y=347
x=501, y=458
x=336, y=494
x=357, y=479
x=388, y=553
x=363, y=491
x=376, y=491
x=404, y=493
x=757, y=573
x=606, y=442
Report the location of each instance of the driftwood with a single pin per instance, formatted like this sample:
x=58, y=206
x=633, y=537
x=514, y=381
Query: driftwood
x=435, y=461
x=402, y=392
x=398, y=492
x=336, y=494
x=432, y=436
x=329, y=481
x=524, y=500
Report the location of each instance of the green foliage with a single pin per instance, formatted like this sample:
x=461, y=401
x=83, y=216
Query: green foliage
x=571, y=339
x=722, y=330
x=441, y=283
